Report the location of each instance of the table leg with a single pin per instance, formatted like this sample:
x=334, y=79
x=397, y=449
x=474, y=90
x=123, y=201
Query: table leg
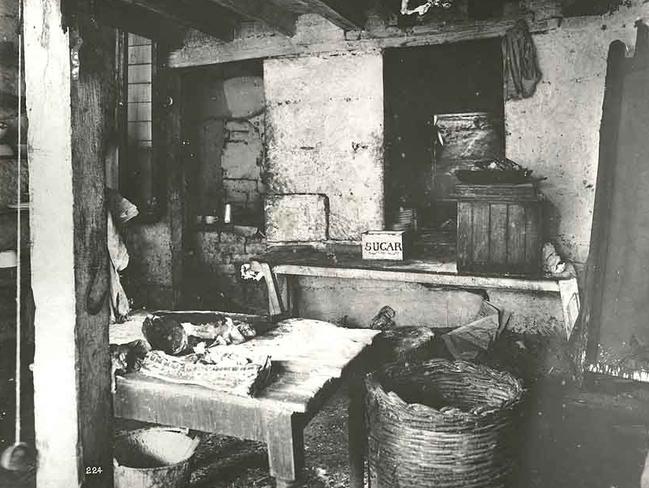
x=356, y=429
x=285, y=441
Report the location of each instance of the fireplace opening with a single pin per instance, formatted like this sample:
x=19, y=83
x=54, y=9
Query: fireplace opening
x=444, y=110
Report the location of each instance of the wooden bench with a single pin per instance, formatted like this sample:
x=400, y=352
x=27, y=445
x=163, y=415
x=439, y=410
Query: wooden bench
x=311, y=370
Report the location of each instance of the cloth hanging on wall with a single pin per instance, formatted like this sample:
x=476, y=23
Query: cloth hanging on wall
x=120, y=211
x=520, y=64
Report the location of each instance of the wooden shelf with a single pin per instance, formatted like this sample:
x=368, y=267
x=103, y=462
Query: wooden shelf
x=350, y=266
x=417, y=275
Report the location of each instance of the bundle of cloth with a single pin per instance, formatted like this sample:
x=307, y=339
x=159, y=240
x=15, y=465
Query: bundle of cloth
x=180, y=351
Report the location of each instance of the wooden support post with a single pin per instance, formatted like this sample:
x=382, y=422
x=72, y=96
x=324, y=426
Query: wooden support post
x=356, y=431
x=275, y=304
x=285, y=441
x=167, y=153
x=69, y=92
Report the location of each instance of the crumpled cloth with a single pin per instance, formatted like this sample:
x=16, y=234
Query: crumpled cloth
x=520, y=63
x=120, y=210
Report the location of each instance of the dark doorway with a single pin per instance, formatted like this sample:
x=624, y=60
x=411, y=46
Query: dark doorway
x=456, y=90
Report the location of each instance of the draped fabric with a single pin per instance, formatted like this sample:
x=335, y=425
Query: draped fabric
x=520, y=64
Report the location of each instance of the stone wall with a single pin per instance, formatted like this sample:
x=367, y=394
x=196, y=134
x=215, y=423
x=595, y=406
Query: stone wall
x=556, y=132
x=227, y=114
x=217, y=284
x=325, y=135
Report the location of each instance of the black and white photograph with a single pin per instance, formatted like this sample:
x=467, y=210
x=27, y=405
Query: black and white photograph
x=324, y=243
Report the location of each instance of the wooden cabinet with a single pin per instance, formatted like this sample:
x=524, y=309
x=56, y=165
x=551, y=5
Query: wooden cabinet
x=498, y=229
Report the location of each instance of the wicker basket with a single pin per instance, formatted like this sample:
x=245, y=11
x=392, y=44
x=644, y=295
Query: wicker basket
x=441, y=424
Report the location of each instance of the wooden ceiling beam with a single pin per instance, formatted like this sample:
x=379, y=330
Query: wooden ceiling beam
x=136, y=20
x=345, y=14
x=263, y=10
x=202, y=15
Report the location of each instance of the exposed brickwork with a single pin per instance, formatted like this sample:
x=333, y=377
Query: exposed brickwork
x=221, y=255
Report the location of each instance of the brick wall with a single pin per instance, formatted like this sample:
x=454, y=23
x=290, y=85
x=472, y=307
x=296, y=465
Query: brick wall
x=219, y=284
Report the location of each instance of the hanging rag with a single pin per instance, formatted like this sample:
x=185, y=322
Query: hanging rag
x=120, y=211
x=520, y=64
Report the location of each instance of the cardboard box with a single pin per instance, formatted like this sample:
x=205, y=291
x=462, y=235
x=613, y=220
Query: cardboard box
x=383, y=244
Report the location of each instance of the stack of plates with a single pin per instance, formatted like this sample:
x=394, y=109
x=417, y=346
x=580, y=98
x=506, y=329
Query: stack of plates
x=404, y=219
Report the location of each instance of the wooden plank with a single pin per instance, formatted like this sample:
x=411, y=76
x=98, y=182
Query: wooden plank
x=200, y=14
x=498, y=234
x=275, y=305
x=439, y=279
x=136, y=20
x=209, y=52
x=533, y=237
x=464, y=234
x=141, y=397
x=346, y=15
x=92, y=124
x=270, y=14
x=146, y=399
x=168, y=155
x=70, y=119
x=47, y=74
x=588, y=327
x=480, y=241
x=516, y=235
x=624, y=264
x=285, y=441
x=356, y=431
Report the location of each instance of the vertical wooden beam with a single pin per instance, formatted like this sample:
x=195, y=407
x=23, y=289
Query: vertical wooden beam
x=167, y=153
x=93, y=101
x=70, y=111
x=47, y=76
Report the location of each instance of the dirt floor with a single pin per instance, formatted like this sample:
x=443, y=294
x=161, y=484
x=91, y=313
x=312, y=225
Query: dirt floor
x=595, y=437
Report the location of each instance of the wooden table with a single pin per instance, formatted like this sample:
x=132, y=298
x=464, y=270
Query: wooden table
x=311, y=371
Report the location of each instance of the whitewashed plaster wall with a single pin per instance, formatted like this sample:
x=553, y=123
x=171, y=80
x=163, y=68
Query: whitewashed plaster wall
x=556, y=132
x=324, y=135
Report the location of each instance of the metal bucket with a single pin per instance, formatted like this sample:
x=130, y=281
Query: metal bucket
x=153, y=458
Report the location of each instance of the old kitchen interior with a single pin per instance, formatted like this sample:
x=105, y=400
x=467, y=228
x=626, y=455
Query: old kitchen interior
x=428, y=181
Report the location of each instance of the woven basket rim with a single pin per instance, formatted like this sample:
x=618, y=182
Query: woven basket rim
x=374, y=386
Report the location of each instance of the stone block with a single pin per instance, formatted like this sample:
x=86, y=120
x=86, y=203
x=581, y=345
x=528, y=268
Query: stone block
x=339, y=152
x=243, y=151
x=297, y=218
